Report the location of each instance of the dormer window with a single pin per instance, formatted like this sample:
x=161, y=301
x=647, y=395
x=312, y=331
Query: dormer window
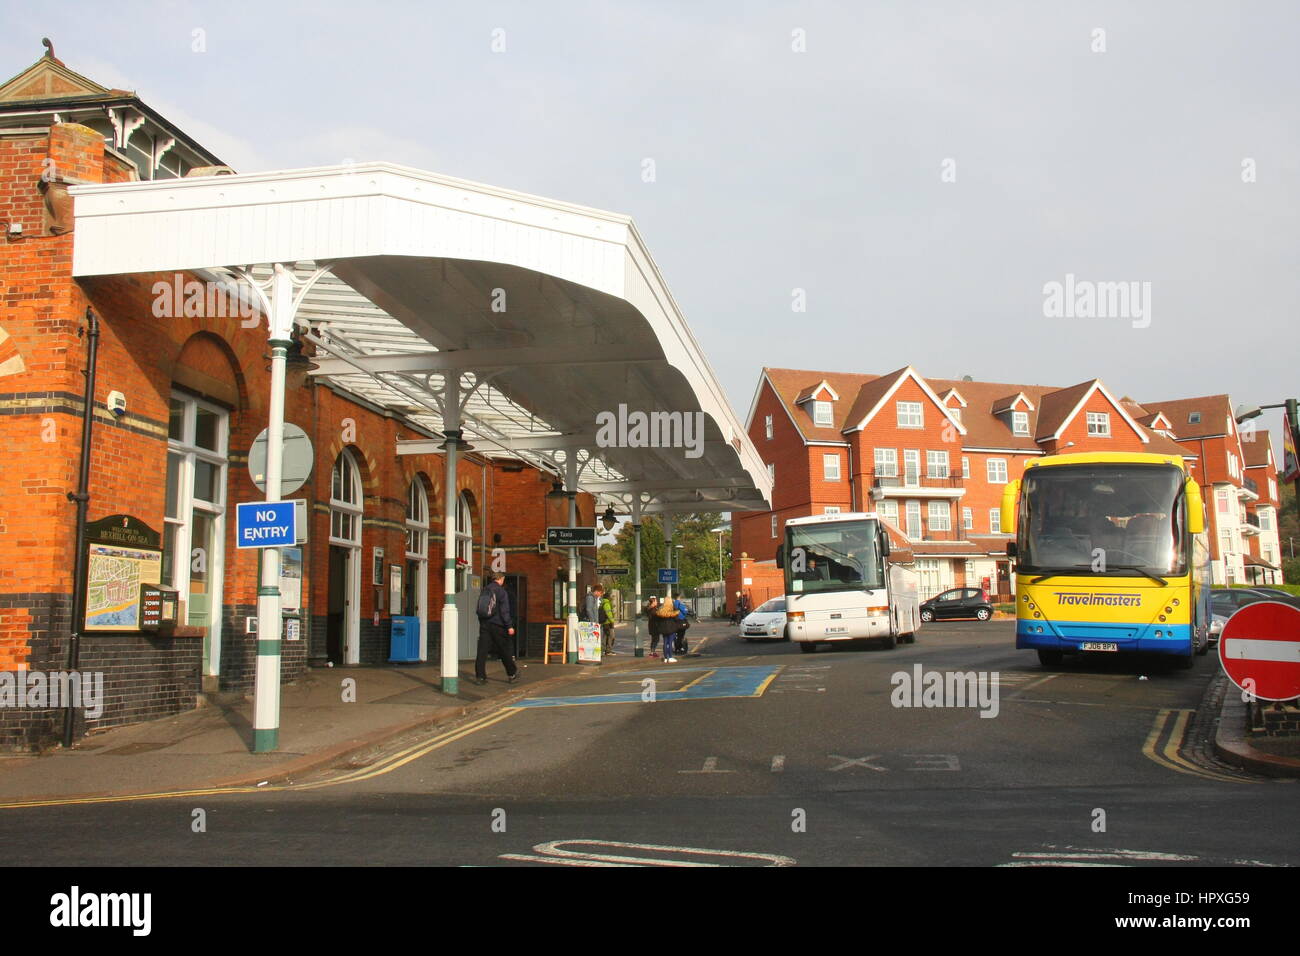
x=1020, y=423
x=1194, y=418
x=955, y=414
x=822, y=413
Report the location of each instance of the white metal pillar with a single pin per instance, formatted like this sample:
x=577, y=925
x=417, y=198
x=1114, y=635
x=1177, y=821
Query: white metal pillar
x=668, y=546
x=266, y=695
x=450, y=666
x=571, y=489
x=638, y=650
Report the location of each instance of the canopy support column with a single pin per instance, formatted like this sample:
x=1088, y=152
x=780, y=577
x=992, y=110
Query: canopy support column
x=638, y=650
x=570, y=489
x=450, y=657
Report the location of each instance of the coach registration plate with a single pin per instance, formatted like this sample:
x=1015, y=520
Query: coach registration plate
x=1098, y=646
x=836, y=630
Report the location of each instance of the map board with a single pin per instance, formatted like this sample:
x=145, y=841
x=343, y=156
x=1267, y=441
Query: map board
x=122, y=554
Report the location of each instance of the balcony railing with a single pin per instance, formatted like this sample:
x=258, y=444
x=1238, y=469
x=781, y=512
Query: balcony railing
x=919, y=482
x=1252, y=519
x=1251, y=485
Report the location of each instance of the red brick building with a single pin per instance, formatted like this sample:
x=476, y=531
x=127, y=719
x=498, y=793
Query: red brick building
x=193, y=386
x=1238, y=476
x=932, y=456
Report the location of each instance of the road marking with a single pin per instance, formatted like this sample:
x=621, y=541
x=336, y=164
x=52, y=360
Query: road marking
x=385, y=765
x=941, y=761
x=778, y=763
x=1032, y=684
x=554, y=853
x=710, y=766
x=715, y=682
x=1169, y=757
x=859, y=762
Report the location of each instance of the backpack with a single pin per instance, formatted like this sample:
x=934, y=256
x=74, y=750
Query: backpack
x=487, y=603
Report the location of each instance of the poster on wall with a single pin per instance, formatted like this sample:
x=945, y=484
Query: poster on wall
x=589, y=643
x=122, y=554
x=290, y=580
x=395, y=588
x=377, y=575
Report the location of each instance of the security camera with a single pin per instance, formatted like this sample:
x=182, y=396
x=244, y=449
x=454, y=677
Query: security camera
x=117, y=403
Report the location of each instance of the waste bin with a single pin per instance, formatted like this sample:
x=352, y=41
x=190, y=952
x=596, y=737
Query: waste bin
x=404, y=644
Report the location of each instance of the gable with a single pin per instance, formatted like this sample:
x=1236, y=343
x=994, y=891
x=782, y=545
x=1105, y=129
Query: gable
x=895, y=382
x=48, y=79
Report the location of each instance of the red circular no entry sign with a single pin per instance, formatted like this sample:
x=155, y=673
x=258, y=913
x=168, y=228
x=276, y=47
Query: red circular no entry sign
x=1261, y=644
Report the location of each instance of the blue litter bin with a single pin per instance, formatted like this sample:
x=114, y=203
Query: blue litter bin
x=404, y=646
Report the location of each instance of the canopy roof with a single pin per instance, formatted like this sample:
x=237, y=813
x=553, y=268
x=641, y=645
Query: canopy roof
x=554, y=314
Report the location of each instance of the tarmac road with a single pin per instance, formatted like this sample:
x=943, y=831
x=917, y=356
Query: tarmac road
x=752, y=754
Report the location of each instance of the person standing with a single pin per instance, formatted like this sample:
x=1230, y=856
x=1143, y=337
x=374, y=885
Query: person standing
x=653, y=623
x=496, y=625
x=605, y=615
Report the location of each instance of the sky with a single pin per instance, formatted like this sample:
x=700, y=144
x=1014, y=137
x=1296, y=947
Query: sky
x=836, y=186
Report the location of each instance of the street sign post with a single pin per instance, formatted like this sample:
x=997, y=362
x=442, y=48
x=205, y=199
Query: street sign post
x=1261, y=644
x=266, y=524
x=668, y=575
x=571, y=537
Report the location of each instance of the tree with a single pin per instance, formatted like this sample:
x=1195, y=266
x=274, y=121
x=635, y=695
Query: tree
x=697, y=560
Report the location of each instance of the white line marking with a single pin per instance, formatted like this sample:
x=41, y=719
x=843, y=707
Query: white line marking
x=859, y=762
x=778, y=763
x=554, y=850
x=710, y=766
x=1247, y=649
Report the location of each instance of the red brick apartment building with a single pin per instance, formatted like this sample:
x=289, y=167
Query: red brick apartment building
x=934, y=455
x=195, y=391
x=1238, y=477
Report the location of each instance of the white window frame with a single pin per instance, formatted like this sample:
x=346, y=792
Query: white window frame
x=464, y=541
x=914, y=531
x=822, y=413
x=773, y=526
x=967, y=520
x=830, y=467
x=888, y=509
x=965, y=466
x=940, y=516
x=767, y=427
x=190, y=454
x=886, y=462
x=995, y=520
x=771, y=472
x=936, y=464
x=1020, y=423
x=996, y=476
x=910, y=414
x=912, y=461
x=1098, y=424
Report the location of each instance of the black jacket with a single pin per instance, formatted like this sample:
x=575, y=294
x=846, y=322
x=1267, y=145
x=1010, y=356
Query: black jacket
x=503, y=615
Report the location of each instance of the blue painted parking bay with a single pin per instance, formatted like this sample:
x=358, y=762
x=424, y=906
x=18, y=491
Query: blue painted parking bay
x=715, y=682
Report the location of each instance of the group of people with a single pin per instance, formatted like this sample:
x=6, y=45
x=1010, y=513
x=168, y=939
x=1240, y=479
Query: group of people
x=497, y=626
x=669, y=622
x=742, y=608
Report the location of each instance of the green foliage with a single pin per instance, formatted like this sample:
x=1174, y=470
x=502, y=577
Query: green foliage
x=698, y=559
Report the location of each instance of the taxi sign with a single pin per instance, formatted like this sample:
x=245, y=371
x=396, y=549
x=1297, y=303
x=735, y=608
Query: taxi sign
x=1261, y=644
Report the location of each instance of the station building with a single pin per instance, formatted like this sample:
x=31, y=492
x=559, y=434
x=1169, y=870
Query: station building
x=181, y=392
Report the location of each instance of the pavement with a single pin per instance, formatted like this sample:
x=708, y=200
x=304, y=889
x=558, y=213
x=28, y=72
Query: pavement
x=210, y=747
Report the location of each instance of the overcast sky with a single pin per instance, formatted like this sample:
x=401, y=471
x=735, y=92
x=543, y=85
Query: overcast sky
x=821, y=170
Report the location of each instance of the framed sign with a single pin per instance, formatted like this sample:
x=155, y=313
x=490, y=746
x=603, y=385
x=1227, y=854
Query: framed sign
x=290, y=580
x=122, y=554
x=394, y=589
x=377, y=574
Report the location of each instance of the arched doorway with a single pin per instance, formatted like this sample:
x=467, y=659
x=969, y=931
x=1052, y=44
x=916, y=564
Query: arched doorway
x=415, y=596
x=343, y=612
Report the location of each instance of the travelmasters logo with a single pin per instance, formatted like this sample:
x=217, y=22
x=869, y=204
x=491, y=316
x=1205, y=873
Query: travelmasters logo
x=75, y=908
x=1097, y=600
x=37, y=690
x=921, y=688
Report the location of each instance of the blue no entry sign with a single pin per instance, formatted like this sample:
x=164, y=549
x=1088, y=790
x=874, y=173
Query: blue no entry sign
x=266, y=524
x=668, y=575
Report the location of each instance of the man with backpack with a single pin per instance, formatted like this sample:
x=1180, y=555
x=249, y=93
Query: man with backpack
x=605, y=615
x=496, y=625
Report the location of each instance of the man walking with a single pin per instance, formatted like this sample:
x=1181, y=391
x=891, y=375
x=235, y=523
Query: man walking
x=496, y=626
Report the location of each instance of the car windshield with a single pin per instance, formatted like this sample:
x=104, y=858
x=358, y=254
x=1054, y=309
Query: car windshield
x=771, y=607
x=1102, y=519
x=832, y=556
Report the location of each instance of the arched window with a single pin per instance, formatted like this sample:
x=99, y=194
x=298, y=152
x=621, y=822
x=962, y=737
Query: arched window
x=345, y=501
x=464, y=541
x=417, y=522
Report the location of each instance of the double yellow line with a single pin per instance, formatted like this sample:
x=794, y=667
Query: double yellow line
x=1168, y=755
x=386, y=765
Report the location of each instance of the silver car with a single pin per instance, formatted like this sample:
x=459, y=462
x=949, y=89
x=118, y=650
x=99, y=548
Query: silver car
x=765, y=622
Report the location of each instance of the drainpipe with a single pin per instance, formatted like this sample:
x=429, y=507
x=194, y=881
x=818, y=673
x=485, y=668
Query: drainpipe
x=82, y=498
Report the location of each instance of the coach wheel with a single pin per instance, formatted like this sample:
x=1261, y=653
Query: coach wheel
x=1184, y=663
x=927, y=616
x=808, y=648
x=983, y=614
x=890, y=642
x=1051, y=658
